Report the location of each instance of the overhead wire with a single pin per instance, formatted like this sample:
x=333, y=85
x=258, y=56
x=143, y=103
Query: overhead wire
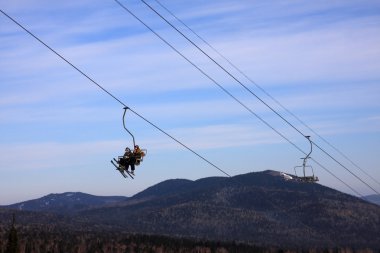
x=239, y=82
x=326, y=153
x=149, y=122
x=227, y=92
x=233, y=97
x=220, y=66
x=264, y=91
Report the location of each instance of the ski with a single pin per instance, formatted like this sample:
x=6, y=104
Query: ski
x=130, y=174
x=121, y=171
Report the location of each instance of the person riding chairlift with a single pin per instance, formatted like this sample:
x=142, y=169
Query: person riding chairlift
x=128, y=160
x=138, y=154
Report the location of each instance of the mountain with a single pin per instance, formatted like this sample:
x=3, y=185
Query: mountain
x=65, y=203
x=263, y=208
x=268, y=207
x=374, y=198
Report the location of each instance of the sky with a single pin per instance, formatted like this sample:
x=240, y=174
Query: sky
x=59, y=131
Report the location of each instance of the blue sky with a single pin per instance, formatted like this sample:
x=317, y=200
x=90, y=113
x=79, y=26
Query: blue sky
x=320, y=59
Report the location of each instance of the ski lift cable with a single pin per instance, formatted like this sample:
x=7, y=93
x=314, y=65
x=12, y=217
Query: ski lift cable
x=114, y=97
x=145, y=119
x=346, y=157
x=265, y=92
x=149, y=122
x=137, y=114
x=326, y=153
x=258, y=86
x=226, y=91
x=250, y=91
x=237, y=80
x=221, y=67
x=60, y=56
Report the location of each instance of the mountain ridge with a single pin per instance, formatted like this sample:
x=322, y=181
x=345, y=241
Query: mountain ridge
x=374, y=198
x=65, y=203
x=254, y=207
x=262, y=208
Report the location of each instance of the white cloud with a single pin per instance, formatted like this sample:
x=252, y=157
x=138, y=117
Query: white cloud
x=319, y=55
x=226, y=136
x=353, y=95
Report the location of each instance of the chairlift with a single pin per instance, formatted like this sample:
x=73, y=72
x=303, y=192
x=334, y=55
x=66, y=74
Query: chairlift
x=131, y=158
x=304, y=166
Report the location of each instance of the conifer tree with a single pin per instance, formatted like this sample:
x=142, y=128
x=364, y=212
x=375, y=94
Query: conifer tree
x=12, y=245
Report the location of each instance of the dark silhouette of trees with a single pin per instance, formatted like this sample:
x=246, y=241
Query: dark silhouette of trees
x=12, y=245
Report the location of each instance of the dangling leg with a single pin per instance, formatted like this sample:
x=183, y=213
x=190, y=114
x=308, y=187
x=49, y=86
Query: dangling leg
x=122, y=162
x=127, y=167
x=132, y=168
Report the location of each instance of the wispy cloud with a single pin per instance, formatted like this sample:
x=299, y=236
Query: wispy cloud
x=49, y=155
